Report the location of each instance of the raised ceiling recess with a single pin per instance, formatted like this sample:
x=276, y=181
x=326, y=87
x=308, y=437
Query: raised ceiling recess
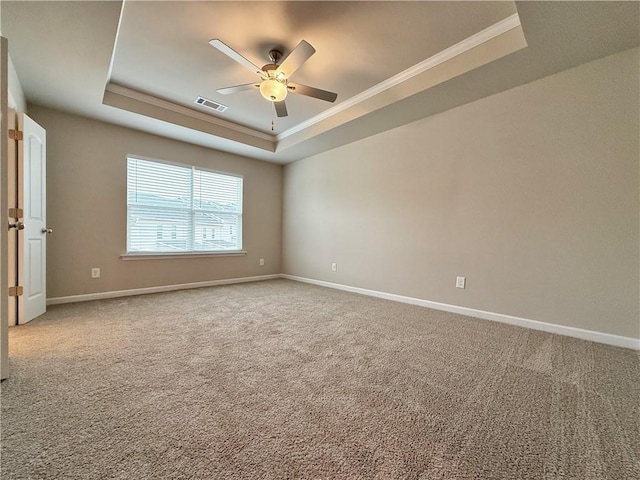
x=365, y=56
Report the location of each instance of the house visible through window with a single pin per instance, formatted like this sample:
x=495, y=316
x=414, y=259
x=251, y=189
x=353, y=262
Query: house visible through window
x=180, y=209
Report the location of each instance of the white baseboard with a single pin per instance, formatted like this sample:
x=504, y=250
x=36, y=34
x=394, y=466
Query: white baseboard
x=607, y=338
x=165, y=288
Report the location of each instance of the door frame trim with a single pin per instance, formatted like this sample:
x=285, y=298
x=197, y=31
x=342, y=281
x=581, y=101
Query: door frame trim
x=4, y=210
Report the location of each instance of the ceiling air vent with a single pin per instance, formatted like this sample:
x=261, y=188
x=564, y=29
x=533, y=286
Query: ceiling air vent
x=205, y=102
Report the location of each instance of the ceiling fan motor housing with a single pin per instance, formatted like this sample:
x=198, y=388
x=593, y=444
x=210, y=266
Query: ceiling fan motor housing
x=270, y=69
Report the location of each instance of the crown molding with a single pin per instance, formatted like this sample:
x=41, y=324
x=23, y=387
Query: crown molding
x=182, y=110
x=449, y=53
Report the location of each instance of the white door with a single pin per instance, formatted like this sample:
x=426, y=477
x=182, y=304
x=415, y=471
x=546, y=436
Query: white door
x=32, y=158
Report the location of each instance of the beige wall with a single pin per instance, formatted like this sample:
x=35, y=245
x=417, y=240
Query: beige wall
x=86, y=198
x=16, y=98
x=532, y=194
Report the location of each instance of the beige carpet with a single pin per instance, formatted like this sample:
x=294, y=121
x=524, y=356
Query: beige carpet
x=282, y=380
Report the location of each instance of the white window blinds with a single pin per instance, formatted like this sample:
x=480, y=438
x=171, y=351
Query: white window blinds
x=177, y=209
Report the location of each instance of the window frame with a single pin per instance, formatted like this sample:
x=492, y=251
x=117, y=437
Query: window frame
x=191, y=212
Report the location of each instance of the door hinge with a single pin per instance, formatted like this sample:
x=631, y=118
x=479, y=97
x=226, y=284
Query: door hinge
x=16, y=134
x=16, y=291
x=16, y=213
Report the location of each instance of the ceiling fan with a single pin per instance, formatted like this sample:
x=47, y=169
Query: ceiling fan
x=274, y=84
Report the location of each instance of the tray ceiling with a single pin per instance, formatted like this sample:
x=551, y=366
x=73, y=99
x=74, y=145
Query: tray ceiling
x=162, y=48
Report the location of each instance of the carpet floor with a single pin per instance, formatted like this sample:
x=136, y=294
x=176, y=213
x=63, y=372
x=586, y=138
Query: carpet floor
x=283, y=380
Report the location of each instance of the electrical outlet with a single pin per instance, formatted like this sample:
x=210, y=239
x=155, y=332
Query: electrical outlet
x=334, y=267
x=262, y=262
x=460, y=282
x=95, y=273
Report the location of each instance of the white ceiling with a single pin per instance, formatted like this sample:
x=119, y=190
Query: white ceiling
x=142, y=64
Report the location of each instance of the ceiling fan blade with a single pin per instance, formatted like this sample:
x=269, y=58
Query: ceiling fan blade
x=295, y=59
x=230, y=52
x=281, y=108
x=237, y=88
x=312, y=92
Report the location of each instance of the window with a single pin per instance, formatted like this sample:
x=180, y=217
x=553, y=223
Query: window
x=180, y=209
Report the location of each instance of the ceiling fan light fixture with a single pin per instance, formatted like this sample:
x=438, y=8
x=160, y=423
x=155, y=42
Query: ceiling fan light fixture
x=274, y=77
x=273, y=90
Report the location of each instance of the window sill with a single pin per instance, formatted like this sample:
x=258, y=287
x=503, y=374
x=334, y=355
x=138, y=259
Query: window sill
x=166, y=256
